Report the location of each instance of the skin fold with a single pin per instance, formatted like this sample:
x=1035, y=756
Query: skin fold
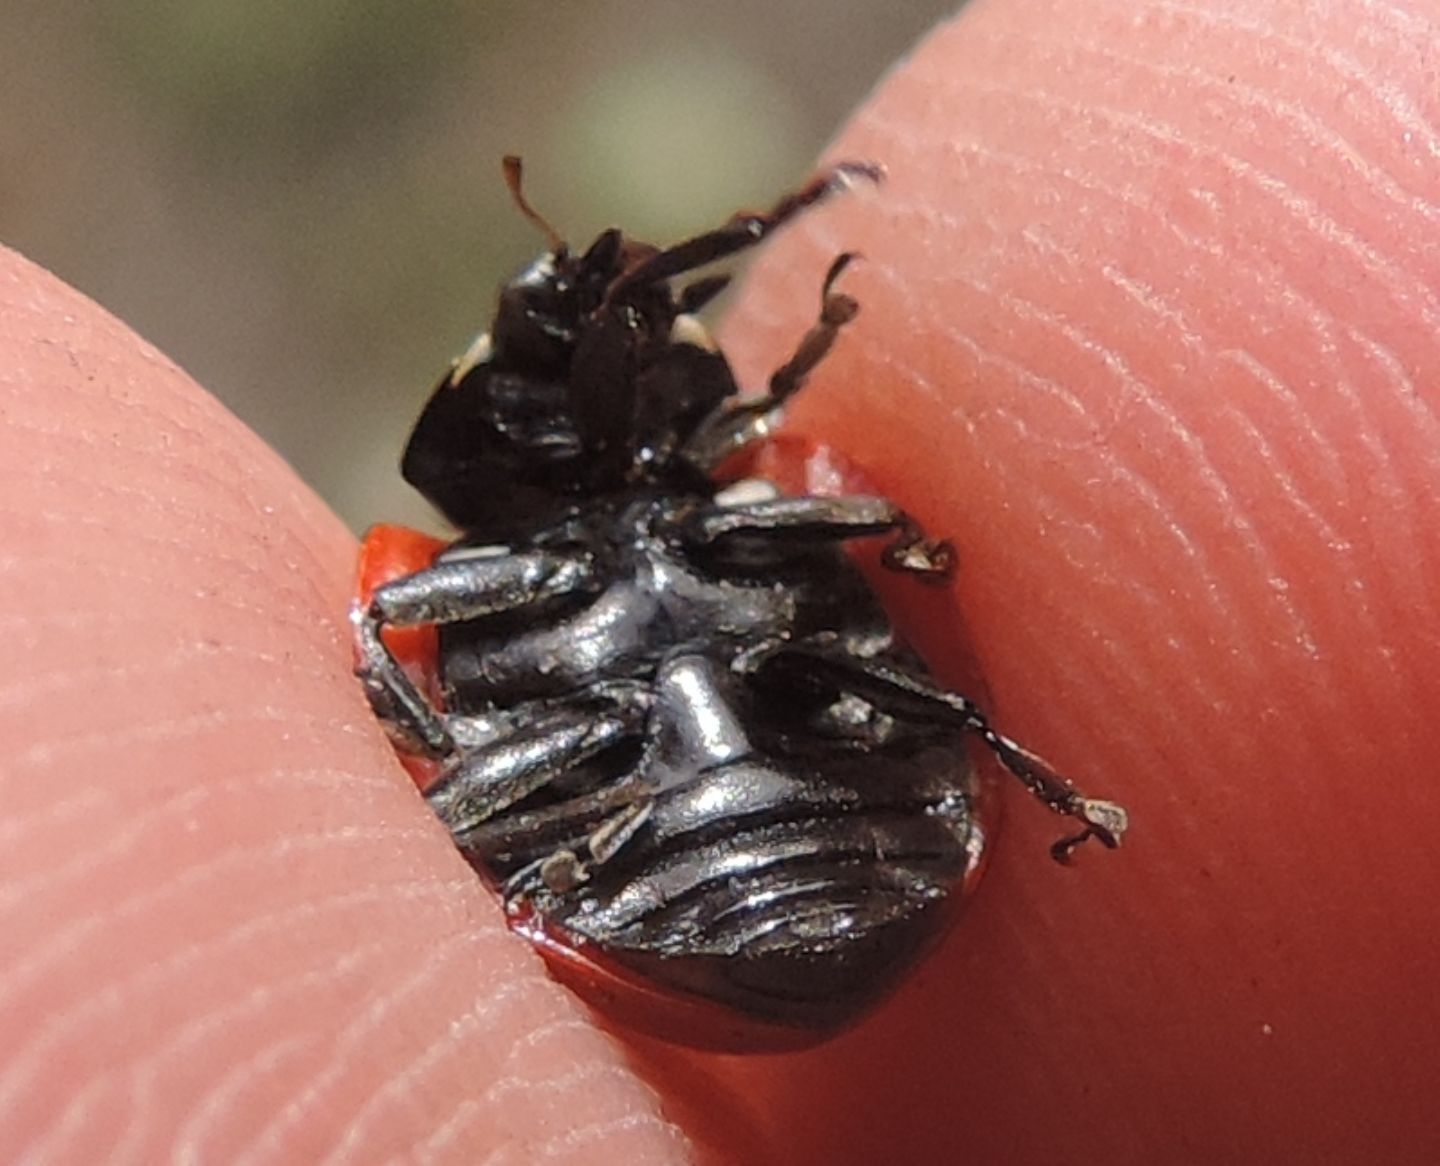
x=1149, y=329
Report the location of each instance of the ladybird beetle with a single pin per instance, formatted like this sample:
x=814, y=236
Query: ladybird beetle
x=664, y=716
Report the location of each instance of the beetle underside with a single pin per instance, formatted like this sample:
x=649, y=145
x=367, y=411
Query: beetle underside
x=674, y=726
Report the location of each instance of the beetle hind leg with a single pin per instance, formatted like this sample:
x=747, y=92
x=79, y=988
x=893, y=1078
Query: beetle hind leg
x=900, y=692
x=1102, y=820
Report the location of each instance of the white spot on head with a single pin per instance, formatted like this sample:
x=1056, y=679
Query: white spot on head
x=479, y=352
x=687, y=329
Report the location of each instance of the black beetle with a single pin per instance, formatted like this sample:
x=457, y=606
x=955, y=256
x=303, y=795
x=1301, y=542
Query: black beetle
x=673, y=726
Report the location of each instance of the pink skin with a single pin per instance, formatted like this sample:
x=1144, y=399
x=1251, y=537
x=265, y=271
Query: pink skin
x=1149, y=328
x=232, y=931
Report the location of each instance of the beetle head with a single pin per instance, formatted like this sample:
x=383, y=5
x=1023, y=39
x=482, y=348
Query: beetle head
x=592, y=377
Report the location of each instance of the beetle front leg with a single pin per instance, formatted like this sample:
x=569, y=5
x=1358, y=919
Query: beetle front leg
x=826, y=519
x=735, y=425
x=743, y=230
x=450, y=591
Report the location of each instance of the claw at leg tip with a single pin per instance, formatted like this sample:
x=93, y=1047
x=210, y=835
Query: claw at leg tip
x=1109, y=819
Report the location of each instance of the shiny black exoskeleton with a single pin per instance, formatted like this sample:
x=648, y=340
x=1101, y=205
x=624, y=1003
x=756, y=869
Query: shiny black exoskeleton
x=677, y=727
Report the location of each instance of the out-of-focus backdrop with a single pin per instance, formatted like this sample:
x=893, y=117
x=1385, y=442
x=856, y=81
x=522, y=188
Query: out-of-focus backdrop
x=302, y=203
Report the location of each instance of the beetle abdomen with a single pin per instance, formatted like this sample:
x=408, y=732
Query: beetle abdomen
x=774, y=822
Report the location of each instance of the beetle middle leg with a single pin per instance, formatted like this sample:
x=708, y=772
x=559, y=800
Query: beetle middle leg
x=482, y=782
x=565, y=869
x=828, y=519
x=450, y=591
x=899, y=692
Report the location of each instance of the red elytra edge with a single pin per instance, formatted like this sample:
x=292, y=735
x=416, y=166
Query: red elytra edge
x=390, y=552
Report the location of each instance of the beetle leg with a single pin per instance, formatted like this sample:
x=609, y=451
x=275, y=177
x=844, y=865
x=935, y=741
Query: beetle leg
x=483, y=782
x=836, y=310
x=452, y=590
x=900, y=692
x=564, y=870
x=806, y=517
x=743, y=230
x=735, y=425
x=826, y=519
x=696, y=295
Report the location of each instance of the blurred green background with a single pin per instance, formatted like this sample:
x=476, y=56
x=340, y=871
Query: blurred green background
x=302, y=204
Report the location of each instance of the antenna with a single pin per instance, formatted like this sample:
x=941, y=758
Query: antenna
x=513, y=174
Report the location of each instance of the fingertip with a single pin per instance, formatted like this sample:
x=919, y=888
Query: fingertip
x=232, y=927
